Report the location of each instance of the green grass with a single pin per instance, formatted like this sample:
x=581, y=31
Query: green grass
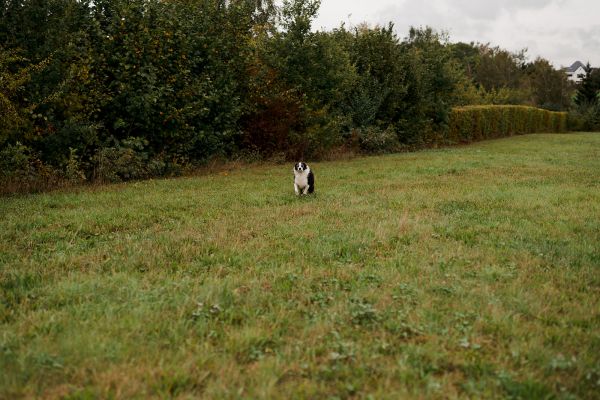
x=463, y=272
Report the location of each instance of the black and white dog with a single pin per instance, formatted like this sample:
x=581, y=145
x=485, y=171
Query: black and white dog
x=304, y=179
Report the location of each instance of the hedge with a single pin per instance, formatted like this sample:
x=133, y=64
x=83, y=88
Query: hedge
x=471, y=123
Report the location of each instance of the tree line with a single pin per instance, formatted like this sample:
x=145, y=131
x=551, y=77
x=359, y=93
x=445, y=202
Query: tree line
x=125, y=89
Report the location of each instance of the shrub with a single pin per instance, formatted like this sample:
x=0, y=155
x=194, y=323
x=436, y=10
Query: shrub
x=585, y=117
x=575, y=121
x=376, y=140
x=125, y=160
x=73, y=172
x=21, y=170
x=472, y=123
x=15, y=161
x=321, y=133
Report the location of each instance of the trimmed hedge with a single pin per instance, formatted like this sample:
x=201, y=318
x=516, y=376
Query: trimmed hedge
x=472, y=123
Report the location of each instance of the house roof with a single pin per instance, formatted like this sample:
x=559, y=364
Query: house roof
x=575, y=66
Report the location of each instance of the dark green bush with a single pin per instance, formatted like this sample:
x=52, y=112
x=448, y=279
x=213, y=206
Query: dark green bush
x=126, y=160
x=585, y=117
x=377, y=141
x=22, y=170
x=15, y=161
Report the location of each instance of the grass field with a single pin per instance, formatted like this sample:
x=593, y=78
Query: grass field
x=465, y=272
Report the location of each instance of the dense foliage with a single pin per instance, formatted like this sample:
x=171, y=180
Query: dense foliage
x=586, y=114
x=472, y=123
x=113, y=89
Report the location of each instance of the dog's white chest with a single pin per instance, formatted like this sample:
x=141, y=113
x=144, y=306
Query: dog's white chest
x=301, y=178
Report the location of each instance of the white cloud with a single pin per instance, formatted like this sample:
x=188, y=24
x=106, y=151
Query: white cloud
x=561, y=31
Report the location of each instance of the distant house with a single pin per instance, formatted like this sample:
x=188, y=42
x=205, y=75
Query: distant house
x=576, y=72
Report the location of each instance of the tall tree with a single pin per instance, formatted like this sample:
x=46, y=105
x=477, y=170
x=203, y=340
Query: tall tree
x=379, y=90
x=432, y=77
x=15, y=109
x=550, y=88
x=468, y=56
x=499, y=68
x=589, y=88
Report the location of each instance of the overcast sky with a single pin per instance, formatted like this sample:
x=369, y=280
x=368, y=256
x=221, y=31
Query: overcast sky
x=561, y=31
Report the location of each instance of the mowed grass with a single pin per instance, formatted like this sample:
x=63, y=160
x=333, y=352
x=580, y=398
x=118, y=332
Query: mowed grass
x=465, y=272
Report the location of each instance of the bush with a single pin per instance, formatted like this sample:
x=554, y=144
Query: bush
x=16, y=110
x=473, y=123
x=585, y=117
x=377, y=141
x=15, y=161
x=21, y=170
x=124, y=161
x=73, y=172
x=575, y=121
x=321, y=133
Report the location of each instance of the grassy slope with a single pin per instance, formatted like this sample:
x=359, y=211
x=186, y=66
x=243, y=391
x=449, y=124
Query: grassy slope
x=468, y=271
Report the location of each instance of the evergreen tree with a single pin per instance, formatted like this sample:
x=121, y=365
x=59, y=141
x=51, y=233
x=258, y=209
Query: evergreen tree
x=589, y=88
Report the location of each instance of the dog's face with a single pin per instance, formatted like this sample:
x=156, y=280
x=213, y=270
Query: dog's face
x=300, y=167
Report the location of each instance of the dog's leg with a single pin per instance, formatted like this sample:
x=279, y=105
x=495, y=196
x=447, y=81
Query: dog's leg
x=297, y=190
x=305, y=190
